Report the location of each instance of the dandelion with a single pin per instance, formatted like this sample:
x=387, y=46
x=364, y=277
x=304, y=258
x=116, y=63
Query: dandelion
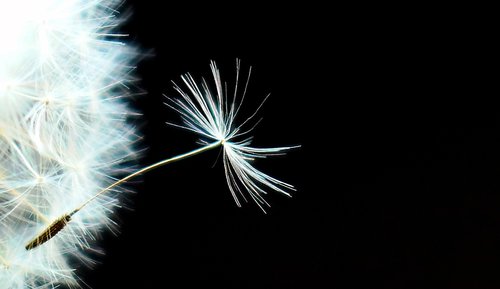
x=65, y=137
x=208, y=114
x=63, y=133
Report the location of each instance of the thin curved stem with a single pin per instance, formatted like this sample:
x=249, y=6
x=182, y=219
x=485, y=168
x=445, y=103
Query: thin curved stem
x=149, y=168
x=59, y=224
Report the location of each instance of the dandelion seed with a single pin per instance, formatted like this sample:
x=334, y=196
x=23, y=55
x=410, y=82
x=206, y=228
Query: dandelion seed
x=209, y=117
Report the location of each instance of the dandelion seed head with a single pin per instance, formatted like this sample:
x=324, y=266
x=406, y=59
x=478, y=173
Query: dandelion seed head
x=64, y=133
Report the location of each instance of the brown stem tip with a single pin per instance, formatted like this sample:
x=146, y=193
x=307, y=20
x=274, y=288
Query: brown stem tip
x=50, y=232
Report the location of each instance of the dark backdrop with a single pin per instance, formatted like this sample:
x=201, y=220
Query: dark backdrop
x=396, y=177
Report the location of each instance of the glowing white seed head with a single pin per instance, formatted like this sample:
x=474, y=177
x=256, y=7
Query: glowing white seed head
x=63, y=132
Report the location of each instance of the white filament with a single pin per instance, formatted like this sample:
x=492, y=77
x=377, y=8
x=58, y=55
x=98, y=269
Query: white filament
x=212, y=114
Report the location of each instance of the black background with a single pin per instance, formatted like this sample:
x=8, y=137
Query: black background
x=396, y=177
